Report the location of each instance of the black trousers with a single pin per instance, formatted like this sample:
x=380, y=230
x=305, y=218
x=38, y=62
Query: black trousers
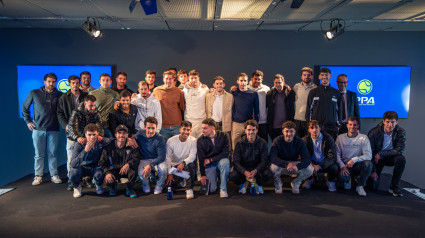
x=275, y=133
x=260, y=177
x=131, y=176
x=191, y=168
x=332, y=131
x=332, y=172
x=262, y=131
x=301, y=127
x=399, y=163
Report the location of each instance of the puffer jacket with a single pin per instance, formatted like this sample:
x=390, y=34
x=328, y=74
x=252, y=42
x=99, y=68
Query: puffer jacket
x=80, y=118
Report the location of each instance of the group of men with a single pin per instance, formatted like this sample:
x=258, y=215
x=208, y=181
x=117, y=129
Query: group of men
x=164, y=134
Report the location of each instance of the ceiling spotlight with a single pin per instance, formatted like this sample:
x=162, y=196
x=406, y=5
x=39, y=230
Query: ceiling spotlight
x=92, y=27
x=335, y=29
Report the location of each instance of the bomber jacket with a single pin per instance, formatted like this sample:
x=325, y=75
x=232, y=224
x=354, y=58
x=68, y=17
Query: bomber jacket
x=324, y=105
x=282, y=152
x=250, y=156
x=115, y=158
x=214, y=151
x=66, y=106
x=328, y=149
x=45, y=106
x=82, y=158
x=289, y=102
x=80, y=118
x=118, y=117
x=376, y=138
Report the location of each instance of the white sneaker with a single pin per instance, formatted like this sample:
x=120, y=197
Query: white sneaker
x=157, y=190
x=37, y=180
x=295, y=187
x=331, y=186
x=360, y=191
x=124, y=180
x=189, y=194
x=56, y=179
x=146, y=188
x=278, y=185
x=223, y=194
x=77, y=192
x=347, y=184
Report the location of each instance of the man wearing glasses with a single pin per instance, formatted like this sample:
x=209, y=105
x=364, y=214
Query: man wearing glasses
x=349, y=102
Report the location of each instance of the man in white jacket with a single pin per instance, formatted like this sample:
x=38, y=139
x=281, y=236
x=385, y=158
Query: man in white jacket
x=354, y=156
x=147, y=106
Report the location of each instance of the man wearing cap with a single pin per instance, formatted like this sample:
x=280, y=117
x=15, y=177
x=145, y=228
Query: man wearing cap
x=120, y=161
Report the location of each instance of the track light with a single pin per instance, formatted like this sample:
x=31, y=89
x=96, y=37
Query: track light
x=336, y=28
x=92, y=27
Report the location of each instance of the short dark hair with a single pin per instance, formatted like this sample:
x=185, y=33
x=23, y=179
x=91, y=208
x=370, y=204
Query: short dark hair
x=353, y=118
x=257, y=73
x=210, y=122
x=142, y=83
x=313, y=123
x=125, y=93
x=73, y=77
x=251, y=122
x=278, y=76
x=341, y=75
x=242, y=75
x=172, y=68
x=51, y=75
x=85, y=73
x=152, y=120
x=186, y=124
x=289, y=125
x=182, y=71
x=150, y=72
x=90, y=98
x=218, y=78
x=391, y=115
x=105, y=75
x=193, y=72
x=91, y=127
x=122, y=73
x=324, y=70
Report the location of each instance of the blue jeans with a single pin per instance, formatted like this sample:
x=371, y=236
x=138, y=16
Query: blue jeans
x=168, y=132
x=76, y=174
x=223, y=166
x=360, y=169
x=161, y=169
x=45, y=141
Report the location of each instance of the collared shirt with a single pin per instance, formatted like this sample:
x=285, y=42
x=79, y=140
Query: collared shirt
x=344, y=99
x=217, y=108
x=317, y=147
x=388, y=141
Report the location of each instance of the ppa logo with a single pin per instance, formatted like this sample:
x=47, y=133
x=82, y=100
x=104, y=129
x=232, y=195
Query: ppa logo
x=364, y=87
x=63, y=85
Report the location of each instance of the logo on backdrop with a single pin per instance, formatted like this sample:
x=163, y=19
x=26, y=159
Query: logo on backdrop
x=63, y=85
x=364, y=87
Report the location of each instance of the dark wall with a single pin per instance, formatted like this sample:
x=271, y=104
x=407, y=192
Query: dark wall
x=212, y=54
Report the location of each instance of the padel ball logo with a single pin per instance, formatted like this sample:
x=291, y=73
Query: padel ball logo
x=364, y=87
x=63, y=85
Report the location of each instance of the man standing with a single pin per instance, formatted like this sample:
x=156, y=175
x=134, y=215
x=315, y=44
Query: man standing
x=324, y=105
x=218, y=106
x=153, y=150
x=172, y=103
x=150, y=79
x=245, y=107
x=105, y=100
x=301, y=91
x=181, y=155
x=85, y=158
x=67, y=103
x=284, y=157
x=280, y=106
x=44, y=126
x=353, y=156
x=147, y=106
x=120, y=84
x=174, y=73
x=262, y=90
x=183, y=77
x=194, y=96
x=85, y=82
x=125, y=115
x=322, y=150
x=349, y=102
x=213, y=154
x=120, y=161
x=388, y=141
x=250, y=159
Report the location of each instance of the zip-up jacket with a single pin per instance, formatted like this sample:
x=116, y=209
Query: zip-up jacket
x=80, y=118
x=66, y=106
x=250, y=156
x=282, y=152
x=115, y=158
x=289, y=103
x=328, y=149
x=209, y=150
x=45, y=107
x=81, y=157
x=115, y=88
x=376, y=138
x=324, y=105
x=118, y=117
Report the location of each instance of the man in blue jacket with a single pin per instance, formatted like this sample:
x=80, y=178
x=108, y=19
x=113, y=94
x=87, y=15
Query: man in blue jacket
x=44, y=126
x=284, y=157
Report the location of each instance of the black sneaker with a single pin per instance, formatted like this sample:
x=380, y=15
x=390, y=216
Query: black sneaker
x=395, y=191
x=69, y=187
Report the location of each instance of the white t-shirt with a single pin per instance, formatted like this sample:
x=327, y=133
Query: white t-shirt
x=262, y=93
x=178, y=151
x=195, y=103
x=217, y=108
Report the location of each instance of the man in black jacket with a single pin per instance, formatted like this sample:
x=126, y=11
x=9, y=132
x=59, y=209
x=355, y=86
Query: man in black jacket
x=349, y=102
x=250, y=159
x=67, y=103
x=388, y=142
x=120, y=83
x=213, y=154
x=280, y=106
x=120, y=161
x=322, y=150
x=284, y=157
x=324, y=105
x=125, y=115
